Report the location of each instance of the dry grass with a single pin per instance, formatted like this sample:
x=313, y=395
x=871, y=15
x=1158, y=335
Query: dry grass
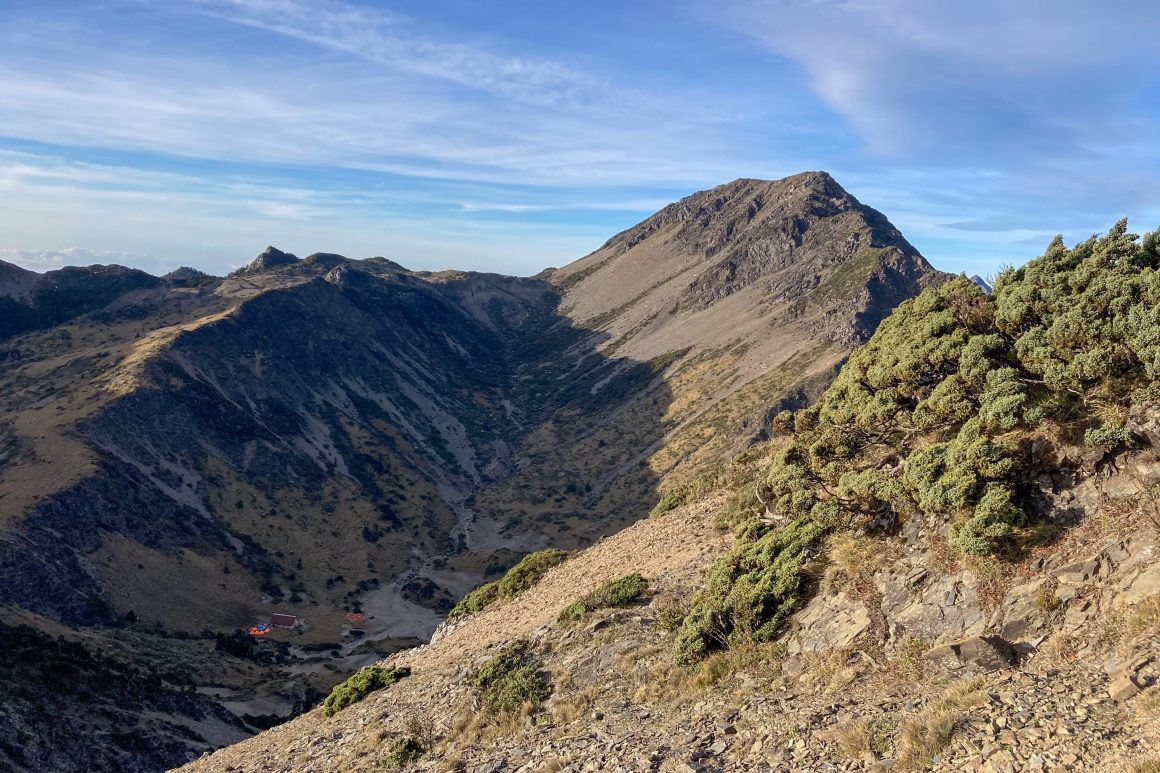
x=665, y=684
x=553, y=765
x=480, y=728
x=569, y=704
x=1148, y=703
x=1148, y=765
x=941, y=556
x=1045, y=599
x=828, y=672
x=1145, y=619
x=855, y=560
x=994, y=577
x=852, y=738
x=1060, y=650
x=862, y=739
x=908, y=663
x=924, y=734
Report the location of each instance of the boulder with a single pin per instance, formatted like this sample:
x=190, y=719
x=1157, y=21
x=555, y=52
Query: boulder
x=1022, y=614
x=1078, y=572
x=1144, y=585
x=1123, y=687
x=970, y=656
x=1121, y=486
x=939, y=610
x=829, y=623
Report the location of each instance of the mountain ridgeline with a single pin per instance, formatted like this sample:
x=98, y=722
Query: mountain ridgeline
x=946, y=562
x=358, y=445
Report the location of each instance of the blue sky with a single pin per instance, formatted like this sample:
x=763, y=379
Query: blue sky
x=509, y=136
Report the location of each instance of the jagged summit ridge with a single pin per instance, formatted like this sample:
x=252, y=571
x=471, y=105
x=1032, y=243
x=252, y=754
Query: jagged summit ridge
x=801, y=248
x=747, y=208
x=267, y=259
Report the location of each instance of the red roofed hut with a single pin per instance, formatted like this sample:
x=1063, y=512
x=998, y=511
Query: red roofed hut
x=283, y=621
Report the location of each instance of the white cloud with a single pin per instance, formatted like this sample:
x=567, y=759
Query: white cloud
x=992, y=79
x=47, y=260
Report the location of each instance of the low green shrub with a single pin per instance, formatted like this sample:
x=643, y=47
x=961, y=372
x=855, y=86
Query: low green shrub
x=518, y=579
x=404, y=751
x=950, y=410
x=752, y=590
x=615, y=593
x=529, y=570
x=510, y=680
x=1107, y=437
x=360, y=685
x=671, y=500
x=477, y=600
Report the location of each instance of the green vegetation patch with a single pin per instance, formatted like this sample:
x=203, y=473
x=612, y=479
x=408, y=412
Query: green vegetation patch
x=404, y=751
x=615, y=593
x=360, y=685
x=953, y=408
x=518, y=579
x=511, y=682
x=752, y=590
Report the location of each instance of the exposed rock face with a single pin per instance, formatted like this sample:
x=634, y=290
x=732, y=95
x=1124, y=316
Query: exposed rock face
x=324, y=436
x=934, y=609
x=971, y=656
x=271, y=257
x=828, y=623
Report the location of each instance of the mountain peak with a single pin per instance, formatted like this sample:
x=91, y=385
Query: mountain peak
x=269, y=258
x=748, y=207
x=796, y=248
x=16, y=282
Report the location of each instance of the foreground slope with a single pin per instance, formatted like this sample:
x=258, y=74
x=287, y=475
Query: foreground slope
x=949, y=562
x=357, y=445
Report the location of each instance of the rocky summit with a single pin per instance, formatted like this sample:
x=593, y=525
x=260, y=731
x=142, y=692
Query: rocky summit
x=897, y=521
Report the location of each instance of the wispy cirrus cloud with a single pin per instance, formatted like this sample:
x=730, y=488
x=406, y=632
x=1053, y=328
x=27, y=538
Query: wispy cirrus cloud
x=987, y=126
x=392, y=41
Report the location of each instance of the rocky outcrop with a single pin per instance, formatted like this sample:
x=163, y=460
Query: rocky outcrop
x=971, y=656
x=269, y=258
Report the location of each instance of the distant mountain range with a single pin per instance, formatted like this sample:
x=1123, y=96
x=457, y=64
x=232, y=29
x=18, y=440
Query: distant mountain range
x=182, y=456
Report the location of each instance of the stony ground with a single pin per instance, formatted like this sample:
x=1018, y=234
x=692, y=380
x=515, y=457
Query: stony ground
x=852, y=687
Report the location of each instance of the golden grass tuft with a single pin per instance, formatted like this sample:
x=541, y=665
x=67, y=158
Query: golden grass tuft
x=862, y=739
x=924, y=734
x=1148, y=765
x=853, y=561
